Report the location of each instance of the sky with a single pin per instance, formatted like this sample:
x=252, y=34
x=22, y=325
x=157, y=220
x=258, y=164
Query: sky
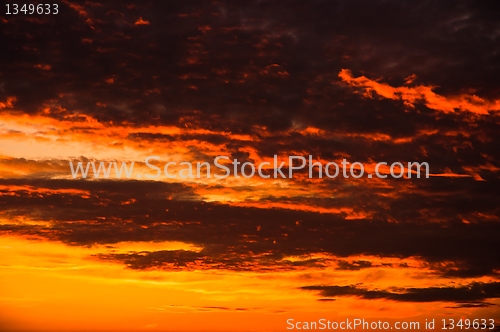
x=365, y=81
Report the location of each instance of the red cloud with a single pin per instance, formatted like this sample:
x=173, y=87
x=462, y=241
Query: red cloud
x=411, y=95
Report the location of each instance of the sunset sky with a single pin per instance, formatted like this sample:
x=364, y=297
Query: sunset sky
x=366, y=81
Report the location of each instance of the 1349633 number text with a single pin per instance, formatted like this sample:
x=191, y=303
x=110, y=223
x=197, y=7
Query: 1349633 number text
x=30, y=9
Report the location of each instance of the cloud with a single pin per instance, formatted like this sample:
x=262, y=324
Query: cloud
x=411, y=95
x=140, y=21
x=356, y=265
x=247, y=237
x=467, y=293
x=472, y=305
x=185, y=308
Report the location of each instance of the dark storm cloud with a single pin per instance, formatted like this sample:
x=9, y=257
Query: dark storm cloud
x=472, y=292
x=246, y=63
x=237, y=67
x=107, y=212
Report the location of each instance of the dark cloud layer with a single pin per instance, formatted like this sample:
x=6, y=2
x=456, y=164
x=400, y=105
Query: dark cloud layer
x=240, y=67
x=253, y=238
x=463, y=294
x=257, y=60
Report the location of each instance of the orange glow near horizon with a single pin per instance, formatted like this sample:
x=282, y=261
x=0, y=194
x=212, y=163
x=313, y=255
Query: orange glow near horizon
x=42, y=280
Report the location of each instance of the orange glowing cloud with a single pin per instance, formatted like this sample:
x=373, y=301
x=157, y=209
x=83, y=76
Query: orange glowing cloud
x=9, y=103
x=411, y=95
x=140, y=21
